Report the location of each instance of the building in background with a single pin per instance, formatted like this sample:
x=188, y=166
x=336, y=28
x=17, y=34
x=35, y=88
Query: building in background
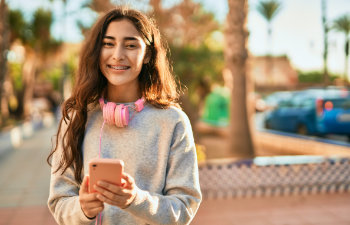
x=272, y=73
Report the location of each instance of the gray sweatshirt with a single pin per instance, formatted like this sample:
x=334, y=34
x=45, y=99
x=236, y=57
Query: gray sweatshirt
x=159, y=153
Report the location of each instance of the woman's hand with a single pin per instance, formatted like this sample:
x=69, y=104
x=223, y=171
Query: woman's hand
x=89, y=203
x=121, y=196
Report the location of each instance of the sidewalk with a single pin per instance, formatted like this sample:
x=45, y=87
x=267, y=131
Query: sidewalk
x=24, y=187
x=24, y=182
x=293, y=210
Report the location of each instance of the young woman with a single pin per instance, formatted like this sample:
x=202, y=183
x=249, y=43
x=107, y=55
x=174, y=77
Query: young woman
x=123, y=63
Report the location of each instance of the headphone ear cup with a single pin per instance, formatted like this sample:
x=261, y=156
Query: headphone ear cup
x=117, y=116
x=108, y=112
x=125, y=115
x=121, y=115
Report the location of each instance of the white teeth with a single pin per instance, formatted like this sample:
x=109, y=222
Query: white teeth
x=119, y=67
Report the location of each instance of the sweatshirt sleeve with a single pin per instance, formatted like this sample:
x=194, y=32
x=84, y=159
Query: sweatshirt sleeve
x=181, y=195
x=63, y=201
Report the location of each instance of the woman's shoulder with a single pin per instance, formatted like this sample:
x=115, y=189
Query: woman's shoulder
x=171, y=113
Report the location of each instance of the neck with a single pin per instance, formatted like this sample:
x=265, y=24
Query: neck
x=122, y=94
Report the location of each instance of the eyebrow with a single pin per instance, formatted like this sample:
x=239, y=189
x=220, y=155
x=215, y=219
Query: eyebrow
x=125, y=38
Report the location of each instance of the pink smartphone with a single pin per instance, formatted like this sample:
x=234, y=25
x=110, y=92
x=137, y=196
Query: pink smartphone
x=109, y=170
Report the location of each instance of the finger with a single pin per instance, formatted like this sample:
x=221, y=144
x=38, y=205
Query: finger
x=107, y=193
x=129, y=180
x=84, y=187
x=116, y=201
x=108, y=186
x=89, y=197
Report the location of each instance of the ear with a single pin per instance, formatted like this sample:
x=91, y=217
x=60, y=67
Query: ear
x=147, y=57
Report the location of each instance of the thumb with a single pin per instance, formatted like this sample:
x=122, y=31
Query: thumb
x=84, y=187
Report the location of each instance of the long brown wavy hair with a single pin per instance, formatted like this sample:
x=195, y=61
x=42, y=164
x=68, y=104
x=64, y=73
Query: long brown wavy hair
x=156, y=82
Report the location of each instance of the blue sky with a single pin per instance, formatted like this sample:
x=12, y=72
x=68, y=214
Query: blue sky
x=297, y=28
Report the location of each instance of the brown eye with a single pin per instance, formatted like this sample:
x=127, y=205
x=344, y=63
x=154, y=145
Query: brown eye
x=130, y=46
x=108, y=44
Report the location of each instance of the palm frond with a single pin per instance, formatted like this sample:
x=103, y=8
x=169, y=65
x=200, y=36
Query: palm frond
x=342, y=24
x=269, y=8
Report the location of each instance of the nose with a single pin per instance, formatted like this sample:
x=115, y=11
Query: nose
x=118, y=53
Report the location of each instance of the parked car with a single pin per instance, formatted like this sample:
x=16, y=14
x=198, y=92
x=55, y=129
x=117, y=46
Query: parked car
x=271, y=101
x=313, y=111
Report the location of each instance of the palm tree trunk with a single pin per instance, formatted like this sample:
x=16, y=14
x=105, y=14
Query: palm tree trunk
x=29, y=68
x=4, y=46
x=326, y=79
x=268, y=61
x=346, y=79
x=236, y=56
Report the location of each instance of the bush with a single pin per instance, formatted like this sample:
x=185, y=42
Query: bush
x=314, y=77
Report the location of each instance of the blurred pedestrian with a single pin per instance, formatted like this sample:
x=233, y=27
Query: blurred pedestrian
x=124, y=73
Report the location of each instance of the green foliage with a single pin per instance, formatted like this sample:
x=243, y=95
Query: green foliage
x=16, y=75
x=54, y=75
x=19, y=27
x=342, y=24
x=195, y=65
x=314, y=77
x=40, y=27
x=36, y=33
x=41, y=24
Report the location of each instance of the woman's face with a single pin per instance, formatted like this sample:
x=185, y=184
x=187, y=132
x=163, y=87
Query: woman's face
x=122, y=54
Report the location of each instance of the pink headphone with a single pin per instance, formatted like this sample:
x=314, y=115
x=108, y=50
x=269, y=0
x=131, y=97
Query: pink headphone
x=119, y=114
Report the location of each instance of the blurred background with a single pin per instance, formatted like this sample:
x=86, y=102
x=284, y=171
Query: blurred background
x=265, y=84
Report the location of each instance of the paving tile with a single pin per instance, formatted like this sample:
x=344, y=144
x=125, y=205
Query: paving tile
x=330, y=223
x=33, y=220
x=317, y=218
x=287, y=219
x=34, y=215
x=49, y=221
x=5, y=215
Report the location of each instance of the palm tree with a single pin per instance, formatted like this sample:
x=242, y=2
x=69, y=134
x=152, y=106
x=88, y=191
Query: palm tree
x=4, y=46
x=236, y=56
x=325, y=42
x=269, y=9
x=342, y=24
x=38, y=43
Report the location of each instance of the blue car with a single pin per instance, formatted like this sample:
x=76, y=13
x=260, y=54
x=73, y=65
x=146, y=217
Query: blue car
x=313, y=112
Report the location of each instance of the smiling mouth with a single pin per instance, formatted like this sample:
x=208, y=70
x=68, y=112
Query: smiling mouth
x=118, y=67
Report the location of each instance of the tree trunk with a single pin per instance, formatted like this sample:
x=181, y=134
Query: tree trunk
x=236, y=56
x=346, y=78
x=4, y=46
x=326, y=79
x=29, y=68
